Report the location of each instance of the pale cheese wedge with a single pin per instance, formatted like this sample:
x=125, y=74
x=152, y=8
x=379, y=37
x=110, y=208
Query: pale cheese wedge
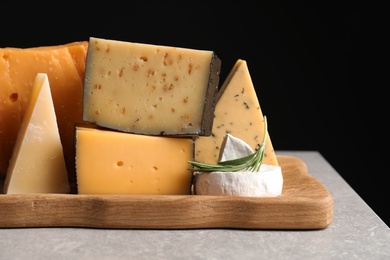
x=37, y=163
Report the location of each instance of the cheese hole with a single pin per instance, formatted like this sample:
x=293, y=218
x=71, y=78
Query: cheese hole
x=119, y=163
x=144, y=58
x=155, y=168
x=14, y=97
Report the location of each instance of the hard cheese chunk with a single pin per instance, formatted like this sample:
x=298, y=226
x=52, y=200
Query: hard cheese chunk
x=111, y=162
x=65, y=66
x=150, y=89
x=37, y=164
x=237, y=112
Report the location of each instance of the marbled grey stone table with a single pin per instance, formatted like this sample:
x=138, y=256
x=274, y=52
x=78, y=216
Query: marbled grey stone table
x=355, y=233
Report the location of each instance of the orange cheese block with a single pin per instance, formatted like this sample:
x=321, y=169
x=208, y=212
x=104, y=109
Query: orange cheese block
x=65, y=66
x=113, y=162
x=238, y=113
x=9, y=116
x=37, y=164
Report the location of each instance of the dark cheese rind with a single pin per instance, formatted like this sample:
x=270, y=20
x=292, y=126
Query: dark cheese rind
x=212, y=92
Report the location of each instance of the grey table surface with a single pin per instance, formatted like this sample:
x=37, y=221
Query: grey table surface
x=356, y=232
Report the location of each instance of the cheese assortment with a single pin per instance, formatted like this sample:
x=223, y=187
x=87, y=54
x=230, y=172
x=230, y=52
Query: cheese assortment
x=238, y=113
x=150, y=89
x=65, y=67
x=112, y=162
x=37, y=164
x=132, y=116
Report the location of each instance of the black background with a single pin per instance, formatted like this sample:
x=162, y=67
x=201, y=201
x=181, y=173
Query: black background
x=315, y=67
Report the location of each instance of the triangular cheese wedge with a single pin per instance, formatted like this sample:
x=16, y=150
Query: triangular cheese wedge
x=237, y=112
x=37, y=164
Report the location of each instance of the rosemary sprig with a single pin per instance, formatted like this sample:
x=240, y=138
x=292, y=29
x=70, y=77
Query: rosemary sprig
x=251, y=162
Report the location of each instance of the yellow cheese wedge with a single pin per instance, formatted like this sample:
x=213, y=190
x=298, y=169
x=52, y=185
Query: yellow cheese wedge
x=37, y=164
x=150, y=89
x=237, y=112
x=65, y=66
x=111, y=162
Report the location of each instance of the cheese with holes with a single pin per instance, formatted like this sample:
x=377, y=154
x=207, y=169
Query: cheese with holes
x=267, y=182
x=65, y=67
x=37, y=164
x=113, y=162
x=150, y=89
x=238, y=113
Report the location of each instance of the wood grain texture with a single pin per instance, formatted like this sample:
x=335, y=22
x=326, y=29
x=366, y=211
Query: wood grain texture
x=304, y=204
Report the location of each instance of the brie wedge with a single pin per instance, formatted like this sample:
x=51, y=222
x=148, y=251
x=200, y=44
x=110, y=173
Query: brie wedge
x=268, y=182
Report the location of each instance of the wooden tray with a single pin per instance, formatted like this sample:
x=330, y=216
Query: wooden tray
x=304, y=204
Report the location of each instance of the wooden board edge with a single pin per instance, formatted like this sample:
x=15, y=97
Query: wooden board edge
x=170, y=212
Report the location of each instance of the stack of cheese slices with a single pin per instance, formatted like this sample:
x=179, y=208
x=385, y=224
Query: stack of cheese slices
x=128, y=123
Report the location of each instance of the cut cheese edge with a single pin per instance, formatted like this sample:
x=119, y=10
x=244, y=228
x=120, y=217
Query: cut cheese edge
x=113, y=162
x=268, y=182
x=150, y=89
x=37, y=164
x=237, y=112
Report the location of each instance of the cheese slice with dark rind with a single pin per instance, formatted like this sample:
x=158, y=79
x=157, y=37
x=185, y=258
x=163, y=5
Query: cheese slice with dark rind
x=238, y=113
x=150, y=89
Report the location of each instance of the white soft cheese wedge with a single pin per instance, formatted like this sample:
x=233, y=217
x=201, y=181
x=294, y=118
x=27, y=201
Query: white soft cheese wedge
x=268, y=182
x=233, y=148
x=37, y=164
